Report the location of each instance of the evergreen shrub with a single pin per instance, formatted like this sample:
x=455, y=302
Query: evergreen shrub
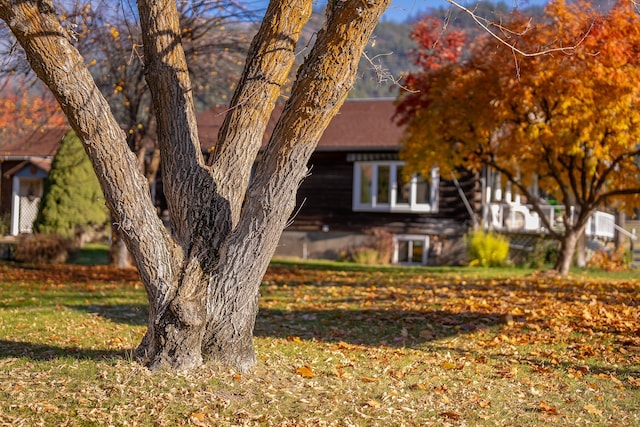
x=72, y=203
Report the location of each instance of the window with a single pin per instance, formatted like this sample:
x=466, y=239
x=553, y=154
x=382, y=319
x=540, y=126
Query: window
x=382, y=186
x=410, y=249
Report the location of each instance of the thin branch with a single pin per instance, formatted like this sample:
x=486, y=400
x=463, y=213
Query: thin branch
x=485, y=24
x=383, y=74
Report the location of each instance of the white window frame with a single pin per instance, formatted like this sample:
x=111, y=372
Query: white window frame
x=410, y=238
x=392, y=205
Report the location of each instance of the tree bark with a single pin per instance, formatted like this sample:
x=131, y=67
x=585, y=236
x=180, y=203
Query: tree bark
x=565, y=255
x=581, y=251
x=202, y=277
x=569, y=242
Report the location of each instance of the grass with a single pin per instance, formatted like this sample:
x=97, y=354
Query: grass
x=91, y=254
x=337, y=344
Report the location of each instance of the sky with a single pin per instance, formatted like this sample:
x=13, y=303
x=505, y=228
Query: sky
x=400, y=10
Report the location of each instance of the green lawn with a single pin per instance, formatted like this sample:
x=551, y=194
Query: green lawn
x=337, y=344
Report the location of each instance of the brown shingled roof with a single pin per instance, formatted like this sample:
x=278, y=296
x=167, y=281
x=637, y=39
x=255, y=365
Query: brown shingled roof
x=43, y=142
x=362, y=124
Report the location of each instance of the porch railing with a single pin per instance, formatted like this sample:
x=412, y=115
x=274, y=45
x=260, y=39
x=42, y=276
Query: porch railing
x=515, y=217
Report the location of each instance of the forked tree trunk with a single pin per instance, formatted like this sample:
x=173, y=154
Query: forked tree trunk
x=202, y=277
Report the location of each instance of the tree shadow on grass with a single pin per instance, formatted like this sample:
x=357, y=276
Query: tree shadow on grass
x=130, y=314
x=395, y=328
x=44, y=352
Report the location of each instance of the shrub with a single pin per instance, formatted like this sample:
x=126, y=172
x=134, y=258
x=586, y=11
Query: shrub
x=381, y=241
x=72, y=202
x=487, y=249
x=5, y=224
x=609, y=260
x=42, y=249
x=377, y=250
x=545, y=252
x=365, y=255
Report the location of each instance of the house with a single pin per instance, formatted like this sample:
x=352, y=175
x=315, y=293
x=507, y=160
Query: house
x=24, y=165
x=356, y=187
x=355, y=190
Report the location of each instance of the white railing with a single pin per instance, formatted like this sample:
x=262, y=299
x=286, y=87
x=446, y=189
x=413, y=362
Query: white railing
x=516, y=217
x=601, y=224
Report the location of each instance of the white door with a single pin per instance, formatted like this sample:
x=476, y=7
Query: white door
x=29, y=195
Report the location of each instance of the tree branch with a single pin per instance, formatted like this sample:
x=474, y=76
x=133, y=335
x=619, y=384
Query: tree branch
x=187, y=181
x=486, y=24
x=270, y=58
x=59, y=65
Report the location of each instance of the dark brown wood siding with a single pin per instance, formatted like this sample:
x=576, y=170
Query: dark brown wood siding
x=6, y=186
x=325, y=199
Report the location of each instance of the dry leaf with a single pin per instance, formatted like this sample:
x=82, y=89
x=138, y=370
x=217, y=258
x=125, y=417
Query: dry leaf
x=549, y=409
x=305, y=371
x=448, y=365
x=592, y=409
x=369, y=380
x=373, y=403
x=450, y=415
x=197, y=417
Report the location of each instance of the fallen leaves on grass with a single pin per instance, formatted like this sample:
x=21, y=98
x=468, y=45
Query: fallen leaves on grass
x=334, y=347
x=547, y=408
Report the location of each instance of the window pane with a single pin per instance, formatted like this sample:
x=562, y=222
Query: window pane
x=422, y=191
x=418, y=250
x=366, y=174
x=383, y=184
x=403, y=194
x=403, y=251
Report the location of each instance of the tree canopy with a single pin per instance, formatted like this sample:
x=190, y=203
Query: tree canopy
x=24, y=108
x=553, y=106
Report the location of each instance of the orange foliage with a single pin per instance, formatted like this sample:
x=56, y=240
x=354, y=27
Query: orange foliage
x=566, y=115
x=22, y=111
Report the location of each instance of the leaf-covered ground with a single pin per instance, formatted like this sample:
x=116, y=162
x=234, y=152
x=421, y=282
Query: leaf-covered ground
x=335, y=346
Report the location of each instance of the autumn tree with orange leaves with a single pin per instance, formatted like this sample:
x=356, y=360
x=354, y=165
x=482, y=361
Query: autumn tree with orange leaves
x=552, y=107
x=24, y=110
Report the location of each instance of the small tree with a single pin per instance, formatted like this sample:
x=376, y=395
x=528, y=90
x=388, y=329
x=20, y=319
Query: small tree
x=72, y=200
x=566, y=120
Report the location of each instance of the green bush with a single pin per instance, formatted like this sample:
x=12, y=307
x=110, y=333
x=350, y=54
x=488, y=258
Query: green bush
x=5, y=224
x=42, y=249
x=487, y=249
x=365, y=255
x=544, y=253
x=72, y=203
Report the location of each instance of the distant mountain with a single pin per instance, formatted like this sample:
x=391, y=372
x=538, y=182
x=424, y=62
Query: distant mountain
x=388, y=54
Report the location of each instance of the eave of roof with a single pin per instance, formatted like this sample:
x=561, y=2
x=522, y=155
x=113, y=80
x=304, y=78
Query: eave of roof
x=41, y=163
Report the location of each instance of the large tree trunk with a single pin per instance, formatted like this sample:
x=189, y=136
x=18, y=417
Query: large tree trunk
x=202, y=276
x=213, y=312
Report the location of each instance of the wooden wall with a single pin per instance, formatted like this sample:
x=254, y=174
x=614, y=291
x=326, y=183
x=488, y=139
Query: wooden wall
x=325, y=198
